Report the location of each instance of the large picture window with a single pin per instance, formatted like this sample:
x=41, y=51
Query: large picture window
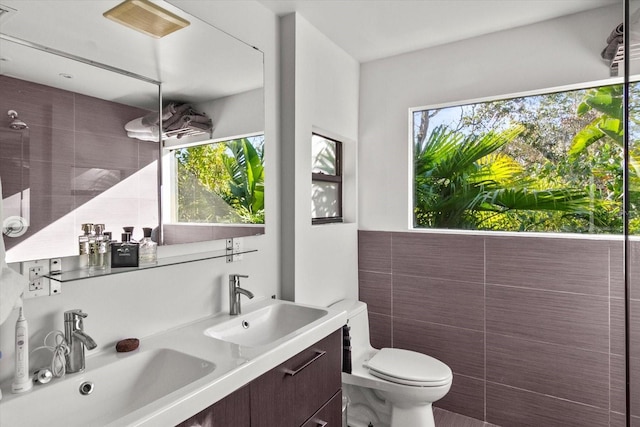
x=546, y=163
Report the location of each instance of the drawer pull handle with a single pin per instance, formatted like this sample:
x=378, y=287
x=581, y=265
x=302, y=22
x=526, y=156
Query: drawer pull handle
x=318, y=355
x=321, y=423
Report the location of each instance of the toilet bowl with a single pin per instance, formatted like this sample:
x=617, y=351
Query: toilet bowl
x=408, y=381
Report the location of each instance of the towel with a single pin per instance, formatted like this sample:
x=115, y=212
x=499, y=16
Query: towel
x=151, y=119
x=12, y=284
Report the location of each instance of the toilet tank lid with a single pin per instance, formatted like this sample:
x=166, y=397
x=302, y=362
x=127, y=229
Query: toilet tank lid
x=351, y=306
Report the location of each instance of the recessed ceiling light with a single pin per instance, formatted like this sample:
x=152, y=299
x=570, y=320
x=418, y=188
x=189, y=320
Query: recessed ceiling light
x=146, y=17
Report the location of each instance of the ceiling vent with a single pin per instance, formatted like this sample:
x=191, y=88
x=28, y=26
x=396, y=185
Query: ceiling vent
x=146, y=17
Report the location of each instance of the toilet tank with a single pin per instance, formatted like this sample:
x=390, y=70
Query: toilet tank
x=358, y=321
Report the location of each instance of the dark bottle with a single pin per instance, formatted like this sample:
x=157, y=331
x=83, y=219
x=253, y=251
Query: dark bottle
x=124, y=254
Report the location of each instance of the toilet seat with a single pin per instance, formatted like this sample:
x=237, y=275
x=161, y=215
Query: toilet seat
x=409, y=368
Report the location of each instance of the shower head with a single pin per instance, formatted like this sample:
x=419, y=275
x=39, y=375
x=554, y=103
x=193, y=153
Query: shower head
x=16, y=123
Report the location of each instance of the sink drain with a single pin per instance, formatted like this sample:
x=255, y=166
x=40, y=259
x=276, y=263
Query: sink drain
x=245, y=324
x=86, y=388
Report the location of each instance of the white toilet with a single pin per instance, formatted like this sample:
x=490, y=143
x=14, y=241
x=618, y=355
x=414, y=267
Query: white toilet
x=409, y=382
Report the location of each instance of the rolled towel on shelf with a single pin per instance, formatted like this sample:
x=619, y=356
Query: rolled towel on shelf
x=609, y=52
x=151, y=119
x=617, y=32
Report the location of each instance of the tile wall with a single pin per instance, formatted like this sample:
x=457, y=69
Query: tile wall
x=69, y=134
x=532, y=327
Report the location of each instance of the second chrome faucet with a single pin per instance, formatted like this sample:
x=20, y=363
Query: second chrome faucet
x=234, y=293
x=76, y=339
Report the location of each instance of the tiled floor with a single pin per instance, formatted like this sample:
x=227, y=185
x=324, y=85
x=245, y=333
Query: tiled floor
x=449, y=419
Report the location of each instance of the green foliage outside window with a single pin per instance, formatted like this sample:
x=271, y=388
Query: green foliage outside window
x=548, y=163
x=221, y=182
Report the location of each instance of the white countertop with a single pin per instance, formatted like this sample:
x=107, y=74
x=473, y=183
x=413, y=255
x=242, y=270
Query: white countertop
x=235, y=366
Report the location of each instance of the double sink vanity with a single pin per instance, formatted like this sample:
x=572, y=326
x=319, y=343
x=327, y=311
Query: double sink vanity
x=276, y=364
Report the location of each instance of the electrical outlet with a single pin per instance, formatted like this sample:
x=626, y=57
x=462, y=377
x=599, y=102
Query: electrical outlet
x=36, y=285
x=238, y=245
x=39, y=284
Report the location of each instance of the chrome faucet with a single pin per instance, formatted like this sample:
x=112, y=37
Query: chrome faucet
x=234, y=293
x=76, y=339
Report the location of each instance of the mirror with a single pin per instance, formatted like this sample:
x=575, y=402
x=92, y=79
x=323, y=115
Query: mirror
x=78, y=81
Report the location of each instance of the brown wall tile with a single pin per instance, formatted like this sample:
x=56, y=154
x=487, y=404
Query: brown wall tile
x=616, y=269
x=507, y=406
x=461, y=349
x=446, y=256
x=555, y=317
x=549, y=369
x=52, y=145
x=380, y=330
x=571, y=265
x=37, y=105
x=466, y=397
x=449, y=302
x=616, y=328
x=617, y=385
x=375, y=290
x=374, y=251
x=95, y=116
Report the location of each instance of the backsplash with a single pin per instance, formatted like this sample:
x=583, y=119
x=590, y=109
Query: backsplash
x=533, y=327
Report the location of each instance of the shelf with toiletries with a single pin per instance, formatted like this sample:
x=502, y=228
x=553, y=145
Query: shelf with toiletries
x=87, y=273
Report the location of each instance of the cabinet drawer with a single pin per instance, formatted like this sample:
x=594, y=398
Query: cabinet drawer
x=233, y=410
x=287, y=395
x=330, y=415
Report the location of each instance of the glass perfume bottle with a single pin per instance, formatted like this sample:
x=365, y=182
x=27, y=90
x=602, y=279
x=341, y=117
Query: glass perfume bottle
x=148, y=248
x=98, y=259
x=84, y=246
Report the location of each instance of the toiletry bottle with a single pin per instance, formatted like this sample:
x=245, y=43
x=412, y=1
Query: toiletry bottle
x=148, y=248
x=99, y=249
x=130, y=231
x=84, y=246
x=124, y=254
x=108, y=240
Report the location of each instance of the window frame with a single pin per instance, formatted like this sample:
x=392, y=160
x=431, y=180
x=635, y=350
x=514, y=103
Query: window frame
x=335, y=179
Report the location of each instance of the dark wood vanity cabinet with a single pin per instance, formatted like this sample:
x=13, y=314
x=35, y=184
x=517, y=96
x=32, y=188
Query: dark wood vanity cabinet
x=293, y=392
x=303, y=391
x=233, y=410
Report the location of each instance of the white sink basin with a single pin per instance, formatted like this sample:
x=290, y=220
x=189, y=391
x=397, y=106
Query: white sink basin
x=265, y=325
x=119, y=387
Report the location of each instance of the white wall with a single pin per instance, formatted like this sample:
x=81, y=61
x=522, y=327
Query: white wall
x=236, y=115
x=146, y=302
x=549, y=54
x=320, y=93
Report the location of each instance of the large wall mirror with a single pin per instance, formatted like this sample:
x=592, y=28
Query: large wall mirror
x=103, y=124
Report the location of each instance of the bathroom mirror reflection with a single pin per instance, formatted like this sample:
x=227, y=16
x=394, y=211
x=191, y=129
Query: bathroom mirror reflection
x=79, y=157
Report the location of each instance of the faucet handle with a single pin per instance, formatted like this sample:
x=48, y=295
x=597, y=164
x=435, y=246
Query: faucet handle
x=239, y=275
x=73, y=315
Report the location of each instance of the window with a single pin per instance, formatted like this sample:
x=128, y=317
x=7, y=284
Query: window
x=326, y=180
x=547, y=163
x=220, y=182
